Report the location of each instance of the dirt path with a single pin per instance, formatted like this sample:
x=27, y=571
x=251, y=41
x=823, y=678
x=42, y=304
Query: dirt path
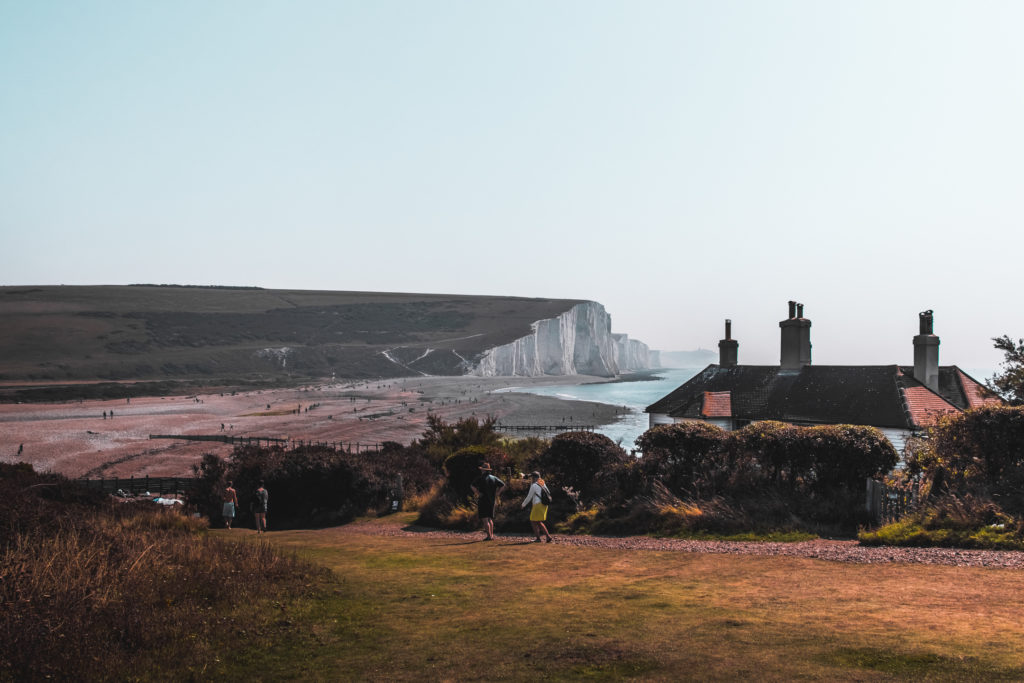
x=821, y=549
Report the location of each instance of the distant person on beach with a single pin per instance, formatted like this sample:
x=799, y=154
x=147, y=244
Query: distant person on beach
x=539, y=511
x=21, y=449
x=230, y=504
x=259, y=508
x=487, y=488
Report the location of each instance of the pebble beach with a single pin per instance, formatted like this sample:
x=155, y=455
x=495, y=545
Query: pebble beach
x=112, y=438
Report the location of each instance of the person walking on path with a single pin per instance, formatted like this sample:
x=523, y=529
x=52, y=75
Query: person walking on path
x=230, y=499
x=487, y=488
x=259, y=504
x=539, y=512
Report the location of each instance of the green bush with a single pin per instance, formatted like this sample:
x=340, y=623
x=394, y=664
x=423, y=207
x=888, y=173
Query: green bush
x=441, y=439
x=314, y=486
x=841, y=457
x=587, y=462
x=952, y=521
x=771, y=473
x=977, y=453
x=462, y=468
x=92, y=589
x=687, y=457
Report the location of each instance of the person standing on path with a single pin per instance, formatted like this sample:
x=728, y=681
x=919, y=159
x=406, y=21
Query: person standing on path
x=487, y=488
x=230, y=499
x=539, y=511
x=259, y=504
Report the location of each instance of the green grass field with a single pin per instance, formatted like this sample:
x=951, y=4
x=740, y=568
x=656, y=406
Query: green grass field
x=419, y=608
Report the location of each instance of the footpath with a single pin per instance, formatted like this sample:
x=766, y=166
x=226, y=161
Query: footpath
x=821, y=549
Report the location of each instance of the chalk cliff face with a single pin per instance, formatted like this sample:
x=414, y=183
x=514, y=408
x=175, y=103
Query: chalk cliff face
x=577, y=342
x=631, y=354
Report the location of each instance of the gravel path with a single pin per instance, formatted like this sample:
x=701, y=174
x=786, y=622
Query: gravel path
x=833, y=551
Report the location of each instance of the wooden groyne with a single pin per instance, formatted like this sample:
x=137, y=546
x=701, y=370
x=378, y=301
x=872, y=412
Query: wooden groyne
x=290, y=444
x=545, y=429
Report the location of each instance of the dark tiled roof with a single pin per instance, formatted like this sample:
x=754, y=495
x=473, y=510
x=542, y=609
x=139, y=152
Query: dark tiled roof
x=827, y=394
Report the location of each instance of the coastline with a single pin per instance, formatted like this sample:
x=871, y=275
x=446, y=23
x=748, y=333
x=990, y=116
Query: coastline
x=74, y=438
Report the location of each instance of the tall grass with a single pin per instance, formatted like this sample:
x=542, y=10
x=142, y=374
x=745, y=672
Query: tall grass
x=92, y=592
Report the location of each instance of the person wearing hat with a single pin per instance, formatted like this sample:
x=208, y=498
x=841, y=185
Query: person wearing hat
x=539, y=511
x=487, y=487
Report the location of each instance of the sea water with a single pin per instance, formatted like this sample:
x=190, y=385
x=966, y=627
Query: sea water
x=633, y=395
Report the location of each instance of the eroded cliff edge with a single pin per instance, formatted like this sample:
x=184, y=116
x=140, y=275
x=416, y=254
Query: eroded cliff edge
x=576, y=342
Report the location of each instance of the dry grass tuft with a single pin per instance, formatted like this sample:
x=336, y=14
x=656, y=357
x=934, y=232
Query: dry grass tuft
x=86, y=588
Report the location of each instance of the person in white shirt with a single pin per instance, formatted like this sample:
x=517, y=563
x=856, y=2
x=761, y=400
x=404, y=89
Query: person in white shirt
x=539, y=511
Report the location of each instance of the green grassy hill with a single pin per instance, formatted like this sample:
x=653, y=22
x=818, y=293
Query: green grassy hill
x=59, y=334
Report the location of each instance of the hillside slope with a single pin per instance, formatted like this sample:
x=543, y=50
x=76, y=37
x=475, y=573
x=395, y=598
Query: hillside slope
x=59, y=334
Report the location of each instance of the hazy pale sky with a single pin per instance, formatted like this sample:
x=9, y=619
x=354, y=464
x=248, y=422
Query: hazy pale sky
x=679, y=162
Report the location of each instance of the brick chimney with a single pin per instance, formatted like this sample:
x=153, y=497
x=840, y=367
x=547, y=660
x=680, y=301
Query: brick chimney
x=926, y=353
x=728, y=348
x=796, y=339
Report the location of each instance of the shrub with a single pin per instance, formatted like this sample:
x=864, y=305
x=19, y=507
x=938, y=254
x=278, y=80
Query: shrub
x=443, y=511
x=314, y=485
x=523, y=451
x=769, y=473
x=951, y=521
x=686, y=457
x=441, y=438
x=979, y=453
x=462, y=468
x=841, y=457
x=586, y=461
x=85, y=582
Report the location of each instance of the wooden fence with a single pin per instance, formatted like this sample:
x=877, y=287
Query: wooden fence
x=885, y=503
x=141, y=485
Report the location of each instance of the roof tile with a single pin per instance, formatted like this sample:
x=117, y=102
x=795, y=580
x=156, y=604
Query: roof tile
x=717, y=404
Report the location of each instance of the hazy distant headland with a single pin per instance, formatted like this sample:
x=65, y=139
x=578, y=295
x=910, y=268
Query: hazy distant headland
x=687, y=359
x=158, y=333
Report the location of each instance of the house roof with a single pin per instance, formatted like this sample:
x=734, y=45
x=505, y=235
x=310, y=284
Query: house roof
x=717, y=404
x=959, y=388
x=878, y=395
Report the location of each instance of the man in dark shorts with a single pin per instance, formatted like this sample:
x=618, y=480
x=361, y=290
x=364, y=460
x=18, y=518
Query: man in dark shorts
x=487, y=487
x=259, y=508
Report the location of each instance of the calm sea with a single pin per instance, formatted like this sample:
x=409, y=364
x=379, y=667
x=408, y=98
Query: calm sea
x=637, y=395
x=634, y=395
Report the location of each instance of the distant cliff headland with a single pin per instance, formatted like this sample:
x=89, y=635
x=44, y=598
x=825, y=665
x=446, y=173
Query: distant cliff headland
x=65, y=334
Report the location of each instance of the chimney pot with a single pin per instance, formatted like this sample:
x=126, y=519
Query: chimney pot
x=796, y=339
x=927, y=322
x=728, y=348
x=926, y=353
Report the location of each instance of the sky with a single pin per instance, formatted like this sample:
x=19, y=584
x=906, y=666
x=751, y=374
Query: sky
x=679, y=162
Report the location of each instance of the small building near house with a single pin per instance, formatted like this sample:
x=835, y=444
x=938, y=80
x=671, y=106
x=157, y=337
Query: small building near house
x=897, y=399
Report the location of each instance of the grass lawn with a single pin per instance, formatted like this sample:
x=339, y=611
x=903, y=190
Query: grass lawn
x=417, y=608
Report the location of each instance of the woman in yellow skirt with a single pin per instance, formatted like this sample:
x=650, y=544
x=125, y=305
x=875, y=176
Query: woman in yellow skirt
x=539, y=511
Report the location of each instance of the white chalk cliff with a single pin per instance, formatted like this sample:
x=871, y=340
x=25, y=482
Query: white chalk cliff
x=577, y=342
